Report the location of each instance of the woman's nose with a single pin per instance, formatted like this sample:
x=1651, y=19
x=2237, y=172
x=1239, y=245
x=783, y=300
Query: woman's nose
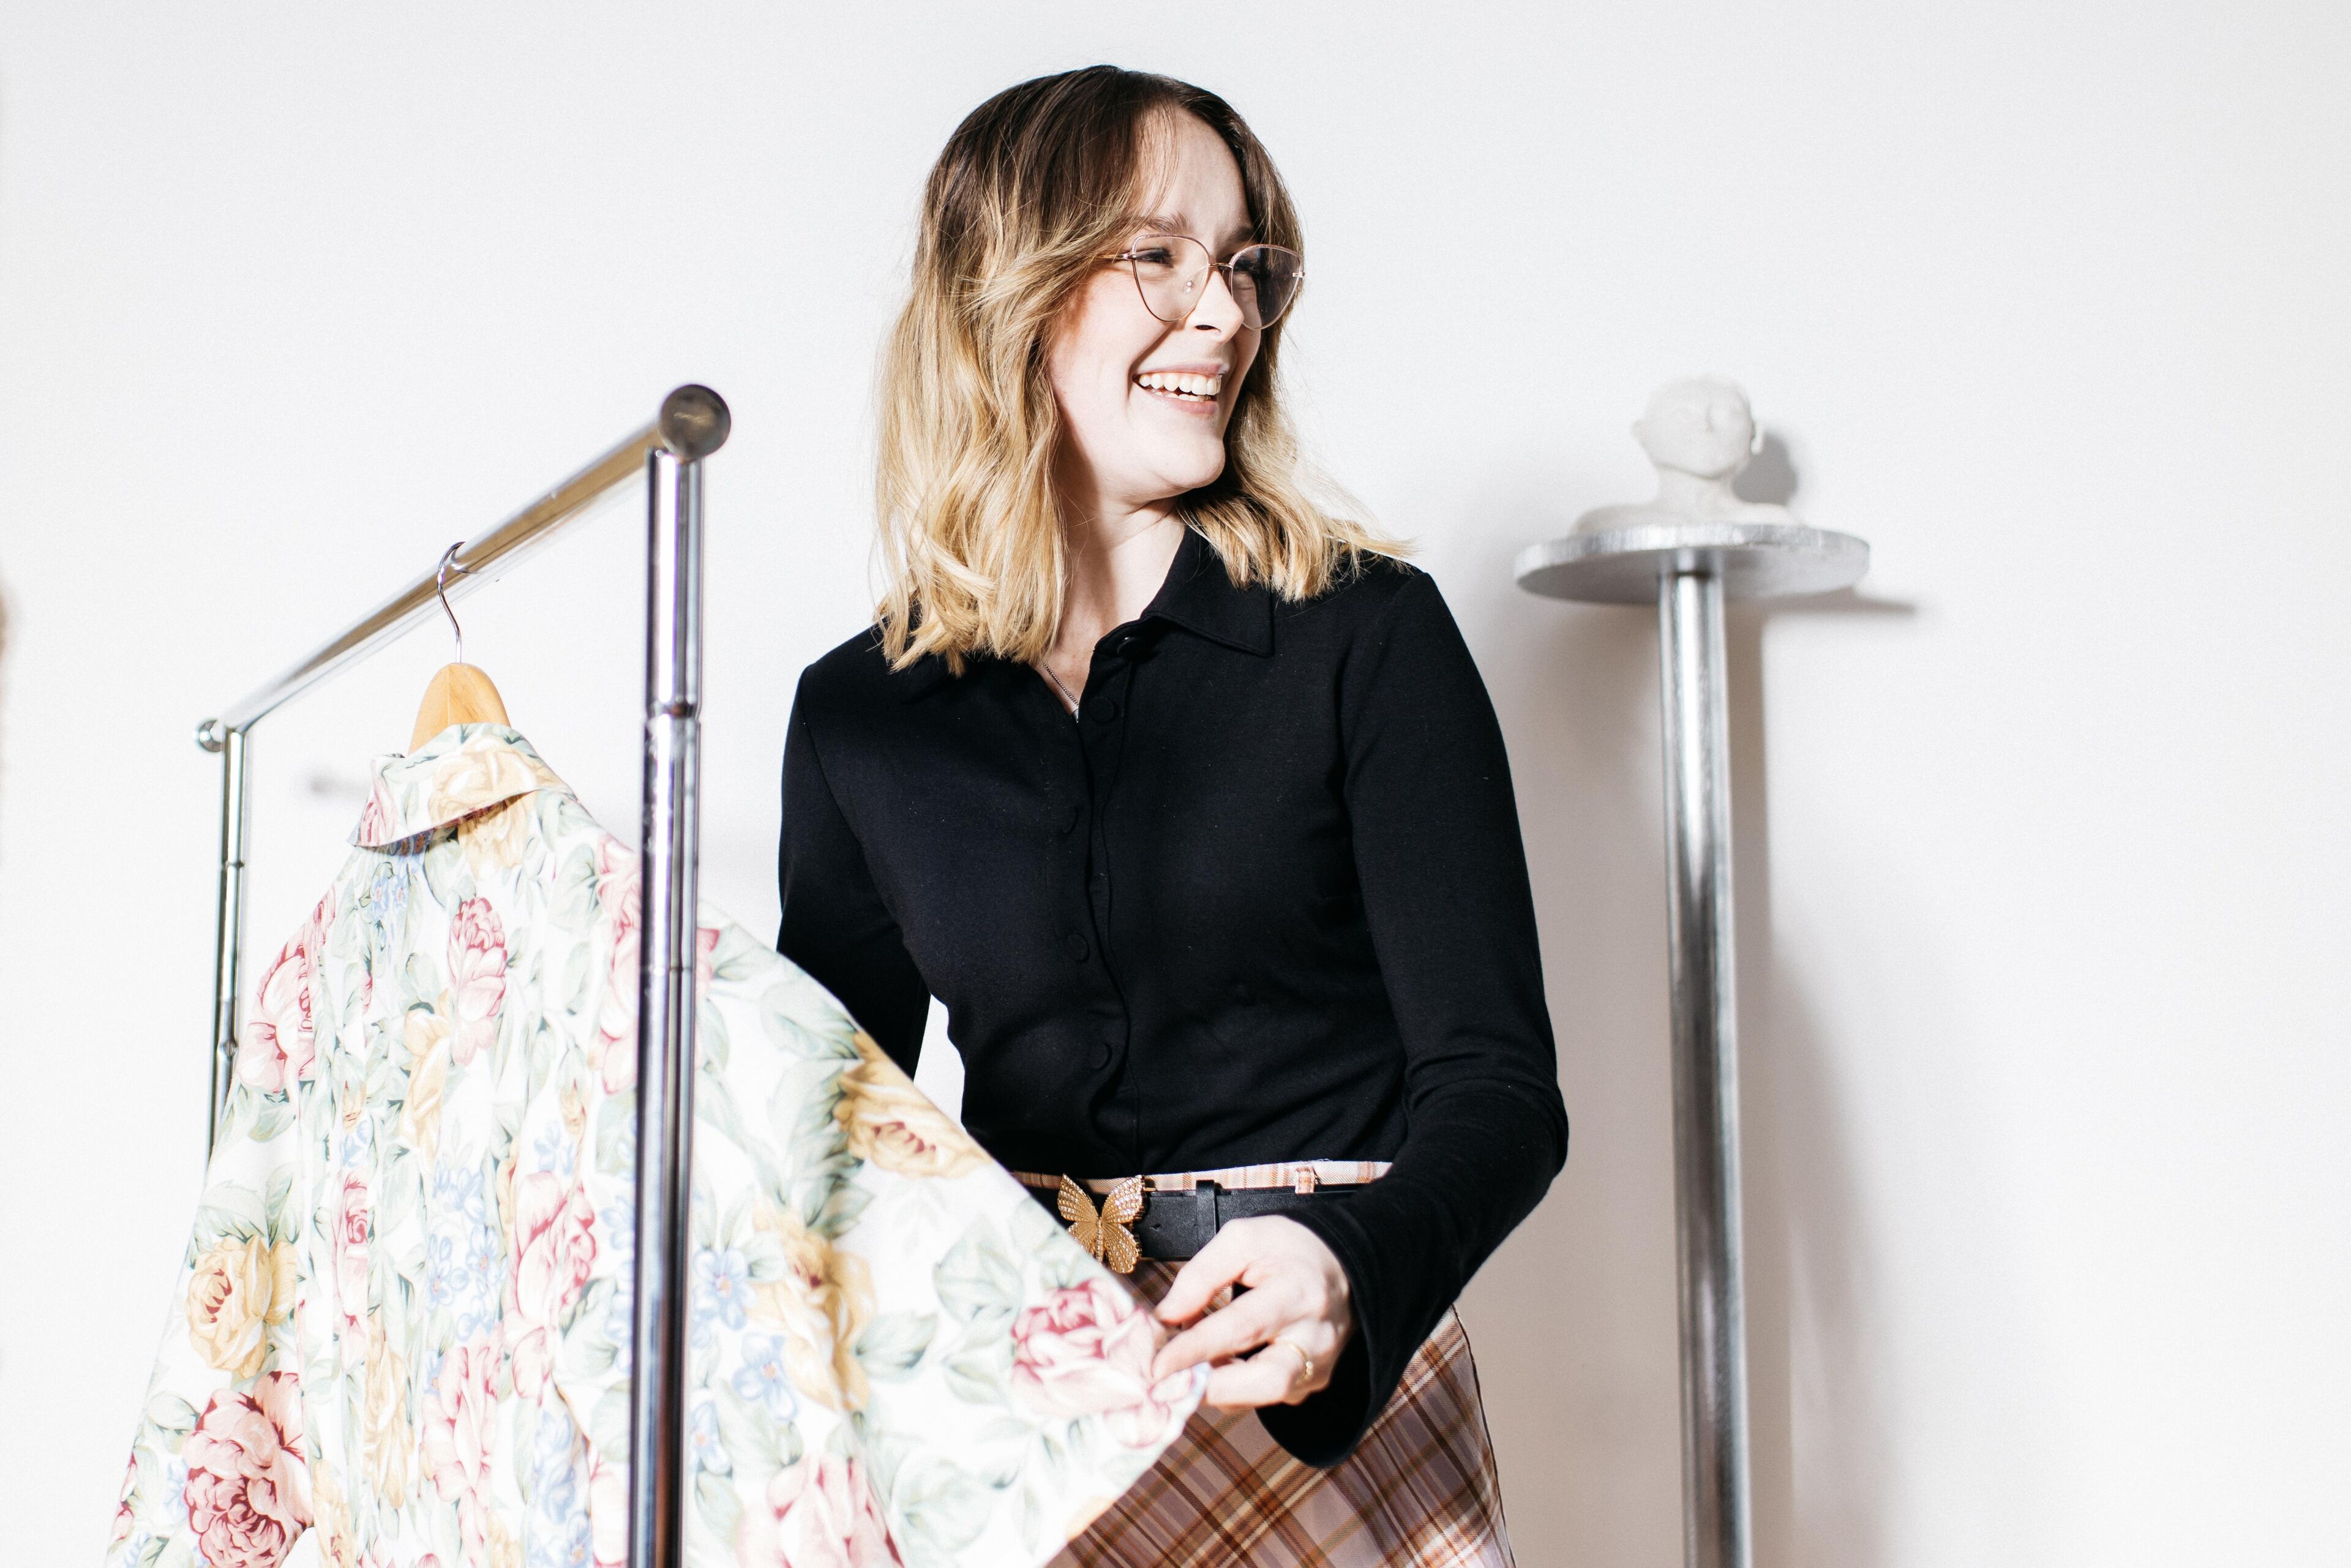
x=1217, y=310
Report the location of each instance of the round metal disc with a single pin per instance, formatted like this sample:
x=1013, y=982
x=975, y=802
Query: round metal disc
x=1754, y=560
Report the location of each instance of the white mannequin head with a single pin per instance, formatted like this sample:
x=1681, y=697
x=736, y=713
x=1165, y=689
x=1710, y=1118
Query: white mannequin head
x=1699, y=425
x=1699, y=433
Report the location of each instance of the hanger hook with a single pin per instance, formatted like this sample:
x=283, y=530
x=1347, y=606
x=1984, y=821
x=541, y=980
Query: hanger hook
x=441, y=587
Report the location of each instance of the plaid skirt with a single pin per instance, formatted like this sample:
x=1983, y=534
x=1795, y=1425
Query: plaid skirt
x=1419, y=1491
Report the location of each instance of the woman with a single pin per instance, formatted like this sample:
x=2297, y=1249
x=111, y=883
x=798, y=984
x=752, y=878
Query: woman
x=1186, y=799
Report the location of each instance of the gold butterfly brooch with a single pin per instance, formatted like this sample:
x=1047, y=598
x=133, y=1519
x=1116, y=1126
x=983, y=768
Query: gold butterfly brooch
x=1104, y=1233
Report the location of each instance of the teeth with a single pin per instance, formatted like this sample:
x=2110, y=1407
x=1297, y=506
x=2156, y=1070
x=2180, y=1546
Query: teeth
x=1183, y=385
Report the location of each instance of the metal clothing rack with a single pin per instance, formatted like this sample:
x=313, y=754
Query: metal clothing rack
x=692, y=425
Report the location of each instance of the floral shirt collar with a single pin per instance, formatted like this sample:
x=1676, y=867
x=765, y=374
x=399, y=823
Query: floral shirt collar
x=466, y=769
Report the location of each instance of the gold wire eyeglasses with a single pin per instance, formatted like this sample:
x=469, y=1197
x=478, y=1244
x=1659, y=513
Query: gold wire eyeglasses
x=1171, y=271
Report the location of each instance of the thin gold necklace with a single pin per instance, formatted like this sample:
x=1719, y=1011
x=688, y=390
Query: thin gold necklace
x=1065, y=691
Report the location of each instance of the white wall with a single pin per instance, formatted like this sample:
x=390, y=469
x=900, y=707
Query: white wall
x=2043, y=840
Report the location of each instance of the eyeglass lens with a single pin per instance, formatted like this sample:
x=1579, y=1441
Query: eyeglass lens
x=1173, y=269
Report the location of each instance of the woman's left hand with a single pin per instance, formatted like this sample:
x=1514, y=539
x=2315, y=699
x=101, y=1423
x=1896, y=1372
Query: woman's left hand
x=1296, y=1291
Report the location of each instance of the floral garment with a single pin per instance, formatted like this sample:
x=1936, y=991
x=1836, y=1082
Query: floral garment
x=404, y=1318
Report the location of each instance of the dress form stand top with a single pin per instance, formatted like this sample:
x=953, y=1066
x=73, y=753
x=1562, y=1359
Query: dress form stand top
x=1699, y=433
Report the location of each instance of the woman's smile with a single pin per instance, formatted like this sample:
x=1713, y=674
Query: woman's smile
x=1194, y=389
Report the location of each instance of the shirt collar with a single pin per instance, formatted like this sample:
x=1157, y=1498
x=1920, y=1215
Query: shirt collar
x=466, y=769
x=1198, y=595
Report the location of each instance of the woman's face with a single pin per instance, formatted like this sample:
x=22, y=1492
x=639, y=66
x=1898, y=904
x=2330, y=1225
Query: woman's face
x=1120, y=374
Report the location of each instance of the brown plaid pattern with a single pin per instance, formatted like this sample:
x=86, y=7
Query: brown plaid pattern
x=1419, y=1492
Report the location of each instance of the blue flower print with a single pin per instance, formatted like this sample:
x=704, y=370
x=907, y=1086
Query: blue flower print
x=722, y=1284
x=387, y=895
x=556, y=1152
x=702, y=1435
x=560, y=1534
x=464, y=1267
x=574, y=1547
x=760, y=1380
x=359, y=1144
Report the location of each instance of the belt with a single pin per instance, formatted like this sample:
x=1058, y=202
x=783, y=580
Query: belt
x=1172, y=1216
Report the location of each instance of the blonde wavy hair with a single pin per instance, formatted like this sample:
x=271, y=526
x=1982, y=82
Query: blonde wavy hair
x=1033, y=188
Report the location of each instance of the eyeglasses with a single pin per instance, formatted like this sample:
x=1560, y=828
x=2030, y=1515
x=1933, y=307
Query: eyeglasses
x=1172, y=273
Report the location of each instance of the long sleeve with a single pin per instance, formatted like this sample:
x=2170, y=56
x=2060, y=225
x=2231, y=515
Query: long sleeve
x=219, y=1469
x=1447, y=897
x=835, y=925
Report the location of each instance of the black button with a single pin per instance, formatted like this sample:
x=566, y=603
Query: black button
x=1070, y=822
x=1103, y=709
x=1102, y=1056
x=1076, y=943
x=1124, y=644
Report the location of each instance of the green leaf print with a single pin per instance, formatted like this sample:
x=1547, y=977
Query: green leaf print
x=943, y=1509
x=978, y=1281
x=981, y=1373
x=841, y=1205
x=171, y=1414
x=446, y=870
x=230, y=1212
x=715, y=1494
x=893, y=1343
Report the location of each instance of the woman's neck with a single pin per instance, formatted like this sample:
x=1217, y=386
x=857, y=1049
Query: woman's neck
x=1114, y=562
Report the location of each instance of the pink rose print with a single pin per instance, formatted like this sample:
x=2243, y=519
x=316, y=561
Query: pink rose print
x=375, y=822
x=531, y=1354
x=1086, y=1350
x=620, y=894
x=277, y=1047
x=608, y=1515
x=555, y=1242
x=125, y=1515
x=354, y=1226
x=478, y=977
x=460, y=1415
x=818, y=1513
x=247, y=1490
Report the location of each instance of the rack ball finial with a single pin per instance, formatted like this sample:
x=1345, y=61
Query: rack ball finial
x=693, y=422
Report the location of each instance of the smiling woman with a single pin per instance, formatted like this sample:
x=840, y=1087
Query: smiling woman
x=1018, y=363
x=1242, y=962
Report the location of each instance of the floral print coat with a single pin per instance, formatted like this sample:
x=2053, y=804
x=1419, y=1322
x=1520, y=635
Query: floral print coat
x=402, y=1323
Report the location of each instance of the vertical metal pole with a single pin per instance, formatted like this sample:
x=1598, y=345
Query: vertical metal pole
x=1706, y=1072
x=236, y=819
x=693, y=423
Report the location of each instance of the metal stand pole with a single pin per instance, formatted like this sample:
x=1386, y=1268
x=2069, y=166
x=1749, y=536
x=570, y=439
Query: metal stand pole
x=693, y=425
x=1687, y=570
x=1706, y=1071
x=236, y=821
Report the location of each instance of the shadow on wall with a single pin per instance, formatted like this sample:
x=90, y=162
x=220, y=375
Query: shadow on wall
x=1576, y=1322
x=4, y=679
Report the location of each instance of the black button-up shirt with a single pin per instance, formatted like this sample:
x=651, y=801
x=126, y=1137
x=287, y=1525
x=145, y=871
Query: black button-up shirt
x=1263, y=898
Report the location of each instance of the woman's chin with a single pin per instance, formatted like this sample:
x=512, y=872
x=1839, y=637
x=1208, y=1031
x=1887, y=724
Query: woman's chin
x=1184, y=472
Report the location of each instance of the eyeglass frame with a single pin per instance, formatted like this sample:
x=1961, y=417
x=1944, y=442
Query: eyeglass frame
x=1224, y=266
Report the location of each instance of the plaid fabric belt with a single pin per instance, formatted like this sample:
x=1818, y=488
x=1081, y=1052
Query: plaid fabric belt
x=1172, y=1216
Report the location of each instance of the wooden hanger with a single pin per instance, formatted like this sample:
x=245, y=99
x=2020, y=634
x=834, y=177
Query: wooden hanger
x=459, y=692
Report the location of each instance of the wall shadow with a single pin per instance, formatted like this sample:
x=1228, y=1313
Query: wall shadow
x=4, y=697
x=1816, y=1397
